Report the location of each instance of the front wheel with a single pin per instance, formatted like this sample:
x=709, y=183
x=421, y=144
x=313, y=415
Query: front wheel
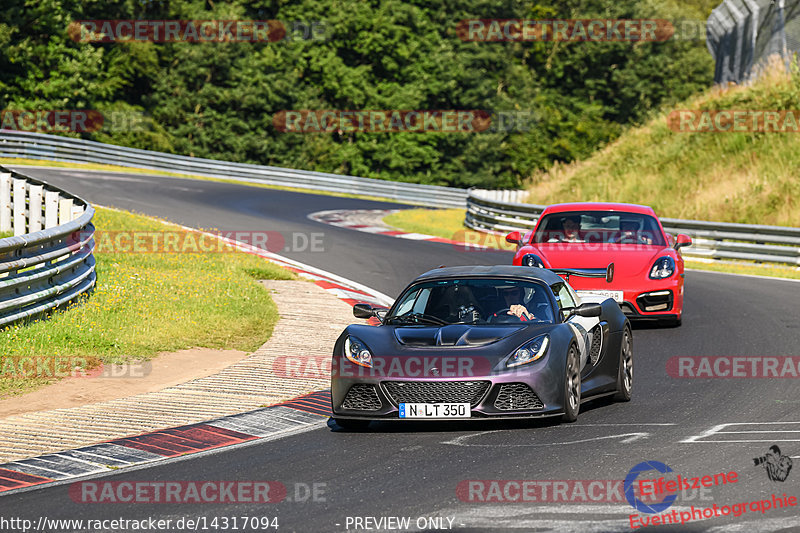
x=572, y=386
x=625, y=370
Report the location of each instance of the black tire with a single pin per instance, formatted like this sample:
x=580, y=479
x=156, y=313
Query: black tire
x=671, y=322
x=625, y=369
x=351, y=424
x=572, y=386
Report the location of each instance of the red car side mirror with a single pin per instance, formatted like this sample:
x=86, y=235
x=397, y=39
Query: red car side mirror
x=683, y=240
x=514, y=238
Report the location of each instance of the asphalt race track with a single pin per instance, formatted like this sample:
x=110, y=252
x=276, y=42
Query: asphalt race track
x=414, y=469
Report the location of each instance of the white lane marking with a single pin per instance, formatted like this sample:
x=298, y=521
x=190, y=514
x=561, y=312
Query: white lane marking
x=413, y=236
x=460, y=441
x=630, y=424
x=577, y=518
x=717, y=430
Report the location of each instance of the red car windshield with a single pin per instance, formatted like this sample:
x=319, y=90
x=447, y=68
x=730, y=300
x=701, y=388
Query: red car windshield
x=611, y=227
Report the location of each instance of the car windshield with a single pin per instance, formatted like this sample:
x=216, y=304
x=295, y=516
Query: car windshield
x=599, y=227
x=472, y=301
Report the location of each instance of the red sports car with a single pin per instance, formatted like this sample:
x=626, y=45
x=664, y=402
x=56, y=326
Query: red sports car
x=648, y=277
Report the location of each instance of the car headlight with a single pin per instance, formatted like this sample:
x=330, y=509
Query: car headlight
x=664, y=267
x=357, y=352
x=529, y=352
x=532, y=260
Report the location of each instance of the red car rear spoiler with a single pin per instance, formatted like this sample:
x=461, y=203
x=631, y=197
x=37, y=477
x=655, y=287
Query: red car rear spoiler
x=607, y=272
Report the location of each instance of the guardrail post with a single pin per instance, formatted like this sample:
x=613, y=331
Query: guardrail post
x=19, y=206
x=65, y=210
x=50, y=209
x=5, y=202
x=35, y=193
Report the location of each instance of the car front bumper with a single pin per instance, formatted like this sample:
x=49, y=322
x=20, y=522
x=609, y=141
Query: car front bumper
x=514, y=395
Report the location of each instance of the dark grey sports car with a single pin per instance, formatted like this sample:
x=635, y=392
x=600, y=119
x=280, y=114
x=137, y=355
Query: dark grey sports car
x=479, y=342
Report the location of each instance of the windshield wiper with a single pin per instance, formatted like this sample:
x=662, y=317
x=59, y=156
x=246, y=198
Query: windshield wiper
x=417, y=318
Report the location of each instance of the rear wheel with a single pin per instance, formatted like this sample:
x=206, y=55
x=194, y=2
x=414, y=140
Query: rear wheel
x=625, y=370
x=572, y=386
x=351, y=424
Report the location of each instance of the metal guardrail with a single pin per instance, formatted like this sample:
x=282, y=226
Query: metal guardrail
x=710, y=240
x=67, y=149
x=48, y=262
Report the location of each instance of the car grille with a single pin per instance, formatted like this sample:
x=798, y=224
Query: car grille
x=362, y=397
x=517, y=396
x=436, y=391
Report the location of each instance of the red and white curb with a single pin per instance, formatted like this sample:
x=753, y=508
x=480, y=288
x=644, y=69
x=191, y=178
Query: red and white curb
x=294, y=416
x=371, y=221
x=300, y=414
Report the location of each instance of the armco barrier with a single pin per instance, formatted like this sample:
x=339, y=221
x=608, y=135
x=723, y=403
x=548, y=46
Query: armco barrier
x=711, y=240
x=55, y=148
x=42, y=266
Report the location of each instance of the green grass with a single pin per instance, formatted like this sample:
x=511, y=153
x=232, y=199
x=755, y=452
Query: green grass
x=449, y=223
x=731, y=177
x=446, y=223
x=146, y=303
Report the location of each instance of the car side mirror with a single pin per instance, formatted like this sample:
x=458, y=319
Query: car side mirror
x=367, y=311
x=514, y=238
x=683, y=240
x=363, y=311
x=589, y=310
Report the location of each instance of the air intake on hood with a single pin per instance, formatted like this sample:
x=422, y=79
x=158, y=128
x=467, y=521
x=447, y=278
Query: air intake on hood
x=452, y=335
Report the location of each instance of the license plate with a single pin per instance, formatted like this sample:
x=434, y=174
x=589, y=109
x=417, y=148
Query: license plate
x=435, y=410
x=615, y=295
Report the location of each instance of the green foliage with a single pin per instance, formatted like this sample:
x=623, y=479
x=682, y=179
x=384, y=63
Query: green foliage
x=217, y=100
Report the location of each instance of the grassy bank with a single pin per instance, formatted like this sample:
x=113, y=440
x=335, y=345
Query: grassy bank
x=725, y=176
x=146, y=303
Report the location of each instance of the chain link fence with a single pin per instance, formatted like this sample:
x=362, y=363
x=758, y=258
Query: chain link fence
x=743, y=34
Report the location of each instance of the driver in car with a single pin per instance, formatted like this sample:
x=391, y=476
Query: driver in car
x=629, y=232
x=571, y=230
x=512, y=296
